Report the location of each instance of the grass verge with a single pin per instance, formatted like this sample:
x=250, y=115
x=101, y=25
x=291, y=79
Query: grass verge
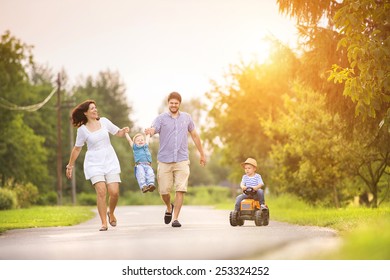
x=45, y=216
x=365, y=231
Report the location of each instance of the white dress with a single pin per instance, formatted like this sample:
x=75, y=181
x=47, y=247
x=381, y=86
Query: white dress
x=100, y=158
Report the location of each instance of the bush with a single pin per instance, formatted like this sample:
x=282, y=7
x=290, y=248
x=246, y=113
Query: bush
x=200, y=195
x=86, y=199
x=139, y=198
x=27, y=194
x=208, y=195
x=49, y=198
x=8, y=199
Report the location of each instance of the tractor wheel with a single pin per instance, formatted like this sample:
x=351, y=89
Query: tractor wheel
x=233, y=218
x=240, y=221
x=258, y=218
x=265, y=214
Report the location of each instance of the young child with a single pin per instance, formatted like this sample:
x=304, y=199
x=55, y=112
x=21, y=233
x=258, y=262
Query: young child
x=143, y=159
x=253, y=180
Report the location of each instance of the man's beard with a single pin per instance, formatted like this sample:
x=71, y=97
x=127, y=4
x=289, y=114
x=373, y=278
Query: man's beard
x=173, y=110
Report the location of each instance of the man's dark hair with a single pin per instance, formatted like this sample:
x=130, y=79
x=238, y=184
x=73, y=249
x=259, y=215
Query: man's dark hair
x=174, y=95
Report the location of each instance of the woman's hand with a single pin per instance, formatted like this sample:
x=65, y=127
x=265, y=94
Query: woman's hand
x=69, y=171
x=121, y=132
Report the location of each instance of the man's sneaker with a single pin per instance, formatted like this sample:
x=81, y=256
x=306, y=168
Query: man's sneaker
x=176, y=223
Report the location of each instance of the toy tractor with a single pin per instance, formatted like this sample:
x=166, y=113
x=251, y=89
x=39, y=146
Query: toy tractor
x=249, y=210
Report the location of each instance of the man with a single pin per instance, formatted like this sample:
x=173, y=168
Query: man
x=173, y=162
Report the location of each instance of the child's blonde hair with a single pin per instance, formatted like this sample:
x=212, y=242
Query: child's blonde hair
x=137, y=135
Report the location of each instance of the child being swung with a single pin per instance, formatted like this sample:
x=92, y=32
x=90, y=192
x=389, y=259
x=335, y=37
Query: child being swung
x=142, y=159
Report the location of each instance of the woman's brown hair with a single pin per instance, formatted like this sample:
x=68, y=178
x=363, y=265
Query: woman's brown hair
x=78, y=116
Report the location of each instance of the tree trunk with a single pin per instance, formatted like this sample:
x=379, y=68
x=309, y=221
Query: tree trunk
x=336, y=197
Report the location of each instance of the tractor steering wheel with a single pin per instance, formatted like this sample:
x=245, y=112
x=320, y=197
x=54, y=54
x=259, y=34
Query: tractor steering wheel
x=250, y=191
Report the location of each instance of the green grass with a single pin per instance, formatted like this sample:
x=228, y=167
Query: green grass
x=365, y=231
x=45, y=216
x=369, y=241
x=289, y=209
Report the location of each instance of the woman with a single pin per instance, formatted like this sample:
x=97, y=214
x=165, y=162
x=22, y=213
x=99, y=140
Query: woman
x=101, y=164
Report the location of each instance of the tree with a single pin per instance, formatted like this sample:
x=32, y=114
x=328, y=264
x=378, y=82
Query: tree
x=364, y=32
x=358, y=43
x=109, y=92
x=22, y=156
x=371, y=159
x=365, y=26
x=252, y=92
x=309, y=155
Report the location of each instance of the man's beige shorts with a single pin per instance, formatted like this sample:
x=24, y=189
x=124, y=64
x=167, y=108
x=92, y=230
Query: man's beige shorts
x=173, y=174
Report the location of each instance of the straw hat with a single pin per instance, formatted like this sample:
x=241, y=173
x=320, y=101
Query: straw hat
x=250, y=161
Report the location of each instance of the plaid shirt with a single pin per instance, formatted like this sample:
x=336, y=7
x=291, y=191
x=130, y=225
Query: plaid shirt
x=173, y=136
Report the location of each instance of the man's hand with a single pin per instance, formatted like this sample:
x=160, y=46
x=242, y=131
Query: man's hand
x=202, y=161
x=149, y=131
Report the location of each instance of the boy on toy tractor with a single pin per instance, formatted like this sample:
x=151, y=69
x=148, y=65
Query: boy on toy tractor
x=250, y=204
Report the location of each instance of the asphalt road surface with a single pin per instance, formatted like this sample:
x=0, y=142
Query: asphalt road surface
x=142, y=235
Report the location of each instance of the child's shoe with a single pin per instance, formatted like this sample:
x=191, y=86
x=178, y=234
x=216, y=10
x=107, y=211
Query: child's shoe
x=263, y=206
x=145, y=189
x=151, y=188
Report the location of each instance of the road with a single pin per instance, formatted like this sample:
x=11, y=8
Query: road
x=142, y=235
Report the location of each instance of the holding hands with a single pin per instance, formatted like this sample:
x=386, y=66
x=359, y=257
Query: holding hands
x=149, y=131
x=121, y=132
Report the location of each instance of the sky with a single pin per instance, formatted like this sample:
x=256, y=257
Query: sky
x=156, y=46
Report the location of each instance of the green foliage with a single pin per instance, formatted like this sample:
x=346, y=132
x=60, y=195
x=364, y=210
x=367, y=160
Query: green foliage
x=8, y=199
x=309, y=154
x=364, y=25
x=139, y=198
x=47, y=198
x=362, y=34
x=15, y=57
x=208, y=195
x=27, y=194
x=109, y=92
x=308, y=12
x=86, y=199
x=22, y=157
x=199, y=195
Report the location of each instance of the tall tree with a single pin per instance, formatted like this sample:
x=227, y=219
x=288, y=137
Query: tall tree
x=363, y=28
x=309, y=154
x=366, y=35
x=22, y=156
x=357, y=33
x=252, y=92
